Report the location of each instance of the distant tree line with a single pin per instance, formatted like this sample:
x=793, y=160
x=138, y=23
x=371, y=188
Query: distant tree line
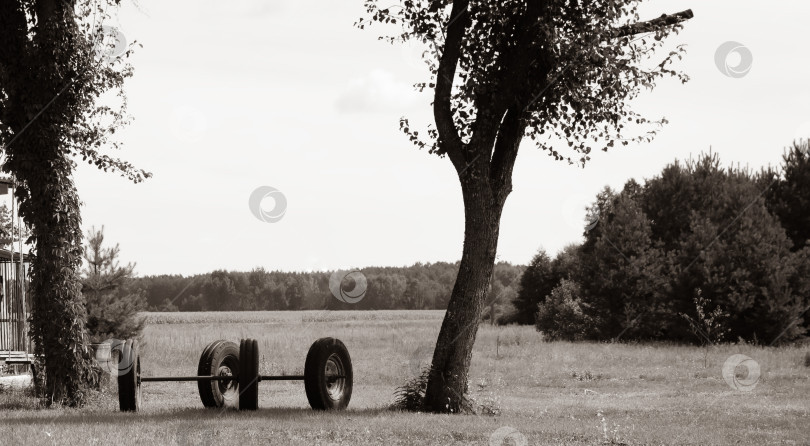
x=698, y=253
x=420, y=286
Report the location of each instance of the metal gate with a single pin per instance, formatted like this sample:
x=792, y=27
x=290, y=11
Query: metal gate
x=14, y=307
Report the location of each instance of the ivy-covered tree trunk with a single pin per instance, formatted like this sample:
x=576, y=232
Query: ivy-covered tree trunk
x=41, y=75
x=58, y=317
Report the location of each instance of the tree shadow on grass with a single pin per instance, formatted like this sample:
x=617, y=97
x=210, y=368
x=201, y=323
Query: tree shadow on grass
x=196, y=415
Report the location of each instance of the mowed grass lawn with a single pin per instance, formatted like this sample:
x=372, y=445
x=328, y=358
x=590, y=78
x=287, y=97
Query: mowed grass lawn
x=545, y=392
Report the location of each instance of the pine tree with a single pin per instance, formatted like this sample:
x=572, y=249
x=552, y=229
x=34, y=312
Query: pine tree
x=621, y=278
x=112, y=304
x=536, y=283
x=789, y=196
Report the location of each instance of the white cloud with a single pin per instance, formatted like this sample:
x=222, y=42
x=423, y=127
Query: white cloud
x=378, y=91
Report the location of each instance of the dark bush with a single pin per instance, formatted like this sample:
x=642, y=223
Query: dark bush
x=562, y=316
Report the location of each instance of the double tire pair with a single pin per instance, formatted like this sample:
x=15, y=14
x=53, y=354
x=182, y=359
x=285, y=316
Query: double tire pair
x=327, y=376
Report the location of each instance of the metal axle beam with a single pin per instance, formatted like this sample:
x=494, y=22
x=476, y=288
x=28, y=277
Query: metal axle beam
x=229, y=378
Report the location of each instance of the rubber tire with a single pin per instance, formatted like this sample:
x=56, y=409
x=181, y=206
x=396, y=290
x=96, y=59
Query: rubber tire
x=200, y=369
x=315, y=374
x=129, y=373
x=248, y=374
x=215, y=355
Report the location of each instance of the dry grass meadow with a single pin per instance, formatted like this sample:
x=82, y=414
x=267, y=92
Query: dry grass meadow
x=533, y=392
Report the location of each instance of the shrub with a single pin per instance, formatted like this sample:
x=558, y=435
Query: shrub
x=411, y=395
x=561, y=315
x=114, y=315
x=708, y=327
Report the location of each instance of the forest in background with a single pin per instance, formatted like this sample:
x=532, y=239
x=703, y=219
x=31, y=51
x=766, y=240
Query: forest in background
x=422, y=286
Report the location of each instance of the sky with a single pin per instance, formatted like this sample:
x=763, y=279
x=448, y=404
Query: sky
x=229, y=97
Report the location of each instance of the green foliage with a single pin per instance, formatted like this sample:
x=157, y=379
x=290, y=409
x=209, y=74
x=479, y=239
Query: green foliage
x=562, y=316
x=112, y=304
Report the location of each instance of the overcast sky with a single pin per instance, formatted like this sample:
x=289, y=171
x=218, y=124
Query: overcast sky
x=231, y=96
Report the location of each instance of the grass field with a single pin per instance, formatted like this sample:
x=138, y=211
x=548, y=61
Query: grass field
x=542, y=393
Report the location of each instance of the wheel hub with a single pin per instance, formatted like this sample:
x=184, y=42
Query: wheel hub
x=334, y=386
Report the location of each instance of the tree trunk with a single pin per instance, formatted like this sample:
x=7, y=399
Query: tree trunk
x=447, y=384
x=58, y=315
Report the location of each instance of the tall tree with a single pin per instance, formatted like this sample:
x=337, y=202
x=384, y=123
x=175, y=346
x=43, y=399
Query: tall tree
x=623, y=277
x=51, y=76
x=788, y=195
x=506, y=70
